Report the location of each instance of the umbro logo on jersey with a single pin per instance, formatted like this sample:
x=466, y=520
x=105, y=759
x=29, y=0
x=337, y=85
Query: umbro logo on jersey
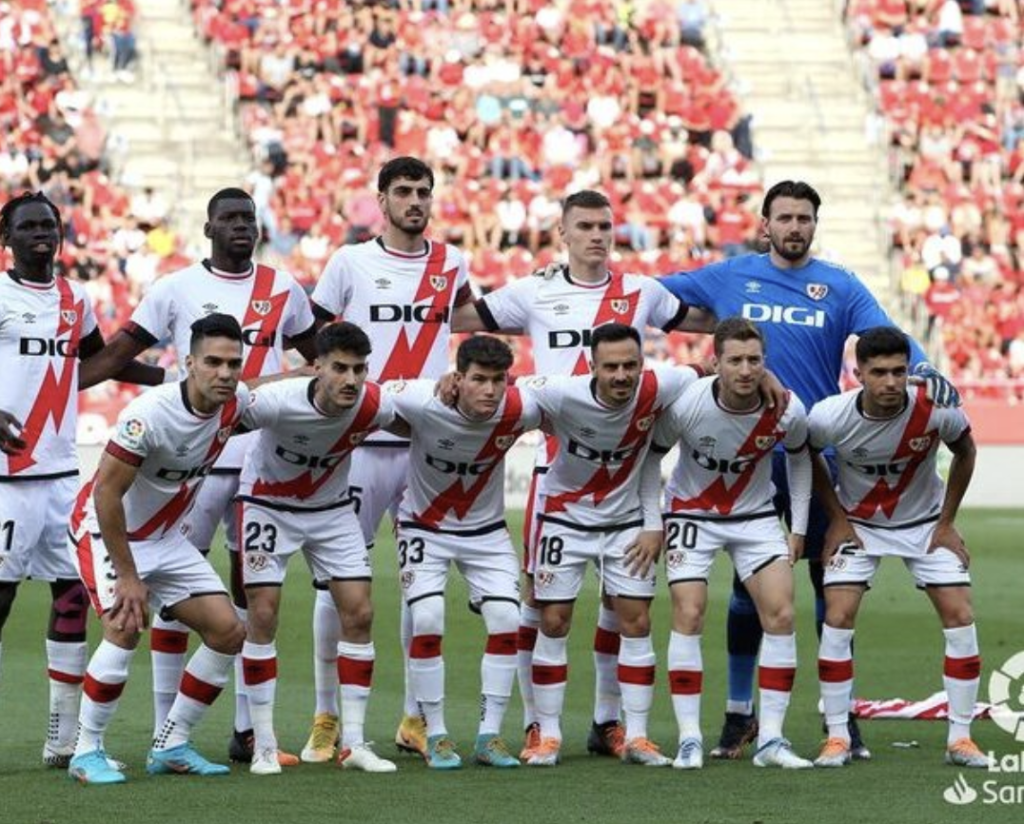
x=69, y=316
x=752, y=287
x=439, y=282
x=28, y=317
x=562, y=308
x=301, y=440
x=446, y=443
x=921, y=444
x=587, y=432
x=181, y=451
x=816, y=291
x=210, y=308
x=262, y=307
x=382, y=283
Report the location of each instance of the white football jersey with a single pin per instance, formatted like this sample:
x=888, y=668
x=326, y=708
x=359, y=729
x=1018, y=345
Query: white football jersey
x=887, y=468
x=456, y=465
x=559, y=314
x=594, y=480
x=725, y=457
x=300, y=457
x=268, y=303
x=41, y=327
x=403, y=302
x=174, y=448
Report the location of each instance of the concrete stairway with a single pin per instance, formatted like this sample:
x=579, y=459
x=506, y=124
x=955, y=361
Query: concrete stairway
x=172, y=127
x=795, y=74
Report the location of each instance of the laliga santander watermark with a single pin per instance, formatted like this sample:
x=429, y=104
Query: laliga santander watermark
x=1006, y=695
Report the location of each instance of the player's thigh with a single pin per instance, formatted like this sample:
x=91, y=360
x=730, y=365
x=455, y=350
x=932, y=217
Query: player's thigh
x=490, y=567
x=689, y=604
x=213, y=506
x=753, y=544
x=269, y=539
x=177, y=573
x=562, y=557
x=377, y=478
x=423, y=561
x=334, y=546
x=33, y=530
x=771, y=589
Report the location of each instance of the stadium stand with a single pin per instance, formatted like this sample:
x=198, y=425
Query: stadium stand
x=949, y=78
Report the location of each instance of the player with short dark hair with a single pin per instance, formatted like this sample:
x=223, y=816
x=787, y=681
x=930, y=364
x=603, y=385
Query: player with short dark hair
x=274, y=313
x=806, y=308
x=47, y=330
x=132, y=554
x=402, y=289
x=720, y=497
x=891, y=502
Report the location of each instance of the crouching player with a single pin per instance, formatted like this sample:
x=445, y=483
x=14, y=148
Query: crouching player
x=891, y=502
x=131, y=551
x=720, y=497
x=294, y=494
x=453, y=511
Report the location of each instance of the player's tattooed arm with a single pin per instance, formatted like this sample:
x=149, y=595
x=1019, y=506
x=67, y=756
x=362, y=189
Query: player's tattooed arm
x=11, y=442
x=129, y=614
x=961, y=469
x=840, y=531
x=116, y=360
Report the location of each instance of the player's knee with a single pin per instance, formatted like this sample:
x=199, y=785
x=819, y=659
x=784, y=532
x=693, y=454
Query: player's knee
x=357, y=617
x=262, y=618
x=428, y=616
x=555, y=624
x=778, y=618
x=227, y=639
x=958, y=614
x=500, y=617
x=687, y=617
x=635, y=625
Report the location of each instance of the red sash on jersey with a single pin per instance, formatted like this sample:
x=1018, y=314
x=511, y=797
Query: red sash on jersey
x=54, y=392
x=602, y=483
x=760, y=442
x=405, y=361
x=617, y=306
x=264, y=312
x=916, y=443
x=183, y=499
x=460, y=500
x=304, y=486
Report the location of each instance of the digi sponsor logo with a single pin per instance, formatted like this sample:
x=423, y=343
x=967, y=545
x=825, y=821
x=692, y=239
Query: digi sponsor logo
x=790, y=315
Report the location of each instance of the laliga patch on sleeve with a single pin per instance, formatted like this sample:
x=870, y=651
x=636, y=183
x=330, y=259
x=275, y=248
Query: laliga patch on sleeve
x=131, y=433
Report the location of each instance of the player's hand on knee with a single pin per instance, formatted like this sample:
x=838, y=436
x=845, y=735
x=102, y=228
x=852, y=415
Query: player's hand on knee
x=946, y=536
x=130, y=611
x=796, y=547
x=644, y=552
x=10, y=441
x=938, y=387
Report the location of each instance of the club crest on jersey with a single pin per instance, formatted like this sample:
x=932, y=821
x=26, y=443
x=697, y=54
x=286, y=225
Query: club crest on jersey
x=256, y=561
x=921, y=444
x=224, y=433
x=620, y=306
x=439, y=282
x=764, y=442
x=545, y=577
x=132, y=431
x=675, y=558
x=356, y=438
x=503, y=442
x=817, y=291
x=69, y=316
x=645, y=423
x=262, y=307
x=408, y=576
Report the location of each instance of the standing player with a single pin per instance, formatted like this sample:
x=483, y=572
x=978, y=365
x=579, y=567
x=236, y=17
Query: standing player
x=720, y=497
x=891, y=502
x=453, y=511
x=46, y=327
x=599, y=502
x=806, y=309
x=401, y=288
x=559, y=314
x=294, y=493
x=274, y=314
x=130, y=547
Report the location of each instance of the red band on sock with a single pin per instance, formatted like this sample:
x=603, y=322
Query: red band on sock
x=64, y=677
x=425, y=646
x=100, y=692
x=776, y=678
x=963, y=669
x=834, y=672
x=526, y=640
x=644, y=676
x=606, y=642
x=200, y=691
x=356, y=672
x=550, y=674
x=259, y=670
x=686, y=682
x=501, y=643
x=168, y=640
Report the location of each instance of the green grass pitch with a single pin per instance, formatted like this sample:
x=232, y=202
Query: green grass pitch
x=899, y=653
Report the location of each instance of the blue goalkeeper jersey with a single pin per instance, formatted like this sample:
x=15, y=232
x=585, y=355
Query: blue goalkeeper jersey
x=805, y=314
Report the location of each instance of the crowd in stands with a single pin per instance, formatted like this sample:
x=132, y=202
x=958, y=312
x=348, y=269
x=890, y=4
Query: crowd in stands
x=950, y=82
